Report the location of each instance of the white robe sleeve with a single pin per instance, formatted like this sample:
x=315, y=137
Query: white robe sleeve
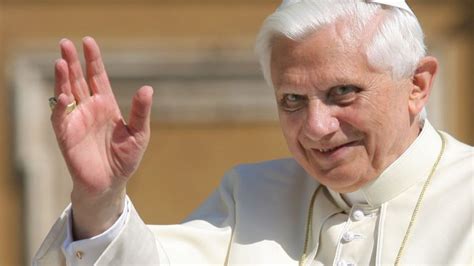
x=87, y=251
x=204, y=238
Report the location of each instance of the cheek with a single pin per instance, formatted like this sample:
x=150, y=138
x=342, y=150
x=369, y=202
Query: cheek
x=358, y=119
x=369, y=113
x=291, y=127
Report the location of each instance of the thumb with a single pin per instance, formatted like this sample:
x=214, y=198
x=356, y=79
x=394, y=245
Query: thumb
x=139, y=119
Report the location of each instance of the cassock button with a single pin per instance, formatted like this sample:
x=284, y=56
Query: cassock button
x=345, y=263
x=348, y=236
x=358, y=215
x=79, y=254
x=341, y=263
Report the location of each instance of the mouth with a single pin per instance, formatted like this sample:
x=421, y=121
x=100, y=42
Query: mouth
x=333, y=149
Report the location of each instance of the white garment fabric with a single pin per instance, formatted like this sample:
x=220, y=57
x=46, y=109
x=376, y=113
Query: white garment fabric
x=258, y=216
x=87, y=251
x=402, y=4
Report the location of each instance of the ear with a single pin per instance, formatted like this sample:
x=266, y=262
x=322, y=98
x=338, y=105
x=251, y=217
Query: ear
x=422, y=82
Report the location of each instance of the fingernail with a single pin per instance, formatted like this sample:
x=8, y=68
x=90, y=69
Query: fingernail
x=63, y=40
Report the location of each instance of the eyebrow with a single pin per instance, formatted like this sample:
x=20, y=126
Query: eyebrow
x=338, y=81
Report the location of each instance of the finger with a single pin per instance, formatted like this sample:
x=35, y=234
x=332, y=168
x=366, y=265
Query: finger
x=139, y=121
x=62, y=84
x=96, y=75
x=59, y=111
x=79, y=86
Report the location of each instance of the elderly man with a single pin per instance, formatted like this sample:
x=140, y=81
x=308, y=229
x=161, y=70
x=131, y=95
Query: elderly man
x=371, y=181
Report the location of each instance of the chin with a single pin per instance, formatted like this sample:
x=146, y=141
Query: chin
x=341, y=179
x=342, y=185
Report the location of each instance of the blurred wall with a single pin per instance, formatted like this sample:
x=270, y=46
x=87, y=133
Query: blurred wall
x=37, y=26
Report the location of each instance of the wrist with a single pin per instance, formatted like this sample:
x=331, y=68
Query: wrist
x=94, y=214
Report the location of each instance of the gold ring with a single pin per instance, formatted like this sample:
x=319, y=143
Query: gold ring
x=52, y=102
x=70, y=107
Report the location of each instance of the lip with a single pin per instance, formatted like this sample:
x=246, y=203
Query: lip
x=336, y=152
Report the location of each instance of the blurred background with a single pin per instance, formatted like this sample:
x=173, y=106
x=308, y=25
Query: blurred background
x=211, y=110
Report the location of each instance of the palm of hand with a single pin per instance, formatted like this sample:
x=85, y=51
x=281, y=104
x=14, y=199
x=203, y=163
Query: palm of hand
x=100, y=149
x=97, y=146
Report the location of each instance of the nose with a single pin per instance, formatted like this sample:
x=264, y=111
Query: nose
x=320, y=121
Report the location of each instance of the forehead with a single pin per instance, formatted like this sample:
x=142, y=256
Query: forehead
x=328, y=55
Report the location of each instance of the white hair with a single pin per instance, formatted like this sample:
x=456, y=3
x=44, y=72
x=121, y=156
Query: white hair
x=395, y=45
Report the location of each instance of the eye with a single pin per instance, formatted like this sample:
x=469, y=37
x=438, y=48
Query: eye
x=343, y=94
x=343, y=90
x=292, y=102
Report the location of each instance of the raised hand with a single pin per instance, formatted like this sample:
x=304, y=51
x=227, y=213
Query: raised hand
x=100, y=149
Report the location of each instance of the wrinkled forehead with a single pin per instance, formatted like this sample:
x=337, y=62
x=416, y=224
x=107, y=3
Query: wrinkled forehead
x=347, y=29
x=329, y=40
x=338, y=38
x=323, y=56
x=340, y=44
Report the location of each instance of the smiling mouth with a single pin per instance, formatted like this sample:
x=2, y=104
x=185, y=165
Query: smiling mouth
x=353, y=143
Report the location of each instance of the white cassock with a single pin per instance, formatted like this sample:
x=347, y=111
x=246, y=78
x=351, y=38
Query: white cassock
x=258, y=215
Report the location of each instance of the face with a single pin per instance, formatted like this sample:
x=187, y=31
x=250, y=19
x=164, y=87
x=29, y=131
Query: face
x=344, y=122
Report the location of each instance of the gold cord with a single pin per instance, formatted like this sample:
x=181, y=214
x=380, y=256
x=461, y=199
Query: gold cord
x=410, y=225
x=308, y=225
x=418, y=203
